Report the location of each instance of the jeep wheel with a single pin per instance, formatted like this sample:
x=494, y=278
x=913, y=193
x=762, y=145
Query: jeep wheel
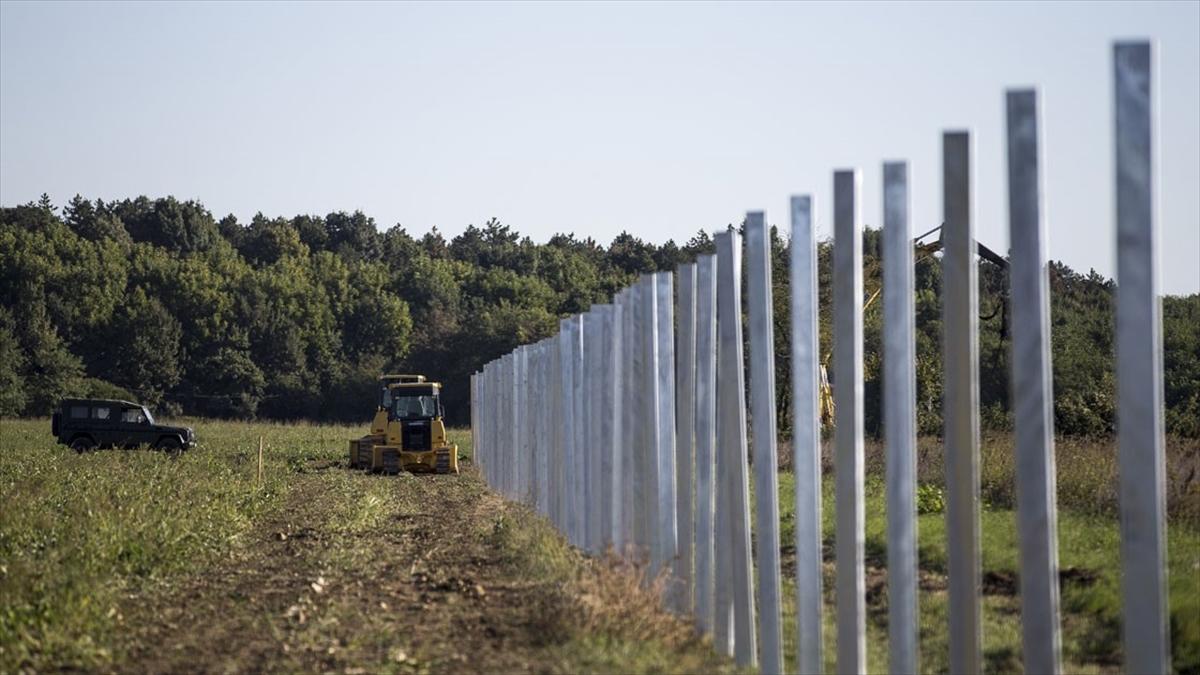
x=82, y=444
x=169, y=446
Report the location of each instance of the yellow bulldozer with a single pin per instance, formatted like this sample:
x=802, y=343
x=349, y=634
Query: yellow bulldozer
x=407, y=433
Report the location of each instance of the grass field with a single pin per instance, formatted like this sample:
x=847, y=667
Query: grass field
x=81, y=531
x=132, y=561
x=1089, y=557
x=100, y=554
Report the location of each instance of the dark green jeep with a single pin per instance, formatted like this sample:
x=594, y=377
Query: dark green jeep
x=88, y=423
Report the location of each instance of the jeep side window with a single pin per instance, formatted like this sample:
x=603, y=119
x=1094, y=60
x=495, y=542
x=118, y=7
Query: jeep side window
x=79, y=412
x=100, y=413
x=132, y=416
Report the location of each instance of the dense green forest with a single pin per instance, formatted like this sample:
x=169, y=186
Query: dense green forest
x=294, y=318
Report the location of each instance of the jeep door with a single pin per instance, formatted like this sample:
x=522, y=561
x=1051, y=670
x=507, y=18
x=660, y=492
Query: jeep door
x=135, y=428
x=105, y=425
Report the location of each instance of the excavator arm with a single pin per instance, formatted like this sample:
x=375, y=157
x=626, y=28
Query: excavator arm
x=921, y=251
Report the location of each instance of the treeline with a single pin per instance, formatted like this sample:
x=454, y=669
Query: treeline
x=294, y=318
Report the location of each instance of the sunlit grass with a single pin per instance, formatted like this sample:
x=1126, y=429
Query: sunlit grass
x=79, y=530
x=1089, y=556
x=81, y=534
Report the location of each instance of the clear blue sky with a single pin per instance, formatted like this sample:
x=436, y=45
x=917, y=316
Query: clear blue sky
x=660, y=119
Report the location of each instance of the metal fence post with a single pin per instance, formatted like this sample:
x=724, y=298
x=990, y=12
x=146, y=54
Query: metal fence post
x=510, y=433
x=524, y=423
x=563, y=433
x=664, y=374
x=597, y=437
x=645, y=434
x=961, y=363
x=734, y=474
x=634, y=486
x=653, y=437
x=577, y=481
x=622, y=424
x=761, y=312
x=602, y=444
x=899, y=416
x=1032, y=391
x=806, y=439
x=1139, y=366
x=848, y=432
x=706, y=431
x=685, y=436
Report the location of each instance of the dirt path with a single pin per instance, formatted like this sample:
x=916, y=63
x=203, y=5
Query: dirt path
x=357, y=574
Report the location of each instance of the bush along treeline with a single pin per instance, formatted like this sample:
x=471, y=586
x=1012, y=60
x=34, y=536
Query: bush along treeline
x=294, y=318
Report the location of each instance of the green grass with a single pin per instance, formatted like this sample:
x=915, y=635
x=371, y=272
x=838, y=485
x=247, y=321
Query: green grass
x=80, y=533
x=1089, y=550
x=80, y=530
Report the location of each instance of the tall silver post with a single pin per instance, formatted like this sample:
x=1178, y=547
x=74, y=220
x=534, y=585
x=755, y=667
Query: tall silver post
x=1139, y=366
x=806, y=439
x=635, y=407
x=474, y=414
x=607, y=429
x=596, y=438
x=685, y=435
x=622, y=388
x=1033, y=391
x=899, y=416
x=545, y=348
x=578, y=480
x=513, y=475
x=664, y=291
x=734, y=473
x=848, y=433
x=562, y=404
x=960, y=349
x=706, y=431
x=766, y=460
x=650, y=495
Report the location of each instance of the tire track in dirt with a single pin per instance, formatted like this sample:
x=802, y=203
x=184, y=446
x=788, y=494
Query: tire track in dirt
x=424, y=590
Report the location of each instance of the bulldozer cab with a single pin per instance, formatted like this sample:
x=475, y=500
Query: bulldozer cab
x=414, y=400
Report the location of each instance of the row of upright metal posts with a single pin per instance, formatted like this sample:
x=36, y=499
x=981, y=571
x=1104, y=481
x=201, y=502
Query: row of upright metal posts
x=628, y=429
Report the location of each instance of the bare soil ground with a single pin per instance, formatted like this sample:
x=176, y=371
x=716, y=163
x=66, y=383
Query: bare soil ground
x=430, y=581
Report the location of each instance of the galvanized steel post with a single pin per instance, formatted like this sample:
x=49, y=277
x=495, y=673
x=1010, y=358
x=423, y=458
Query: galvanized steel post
x=685, y=436
x=706, y=431
x=899, y=417
x=1139, y=366
x=1033, y=390
x=766, y=459
x=731, y=448
x=806, y=438
x=961, y=363
x=848, y=432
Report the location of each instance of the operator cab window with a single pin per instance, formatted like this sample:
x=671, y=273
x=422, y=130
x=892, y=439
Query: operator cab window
x=415, y=406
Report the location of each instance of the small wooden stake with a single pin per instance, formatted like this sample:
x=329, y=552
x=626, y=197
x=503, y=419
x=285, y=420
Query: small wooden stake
x=260, y=449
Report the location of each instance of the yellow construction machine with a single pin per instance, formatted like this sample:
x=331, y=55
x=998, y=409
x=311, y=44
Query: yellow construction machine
x=407, y=433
